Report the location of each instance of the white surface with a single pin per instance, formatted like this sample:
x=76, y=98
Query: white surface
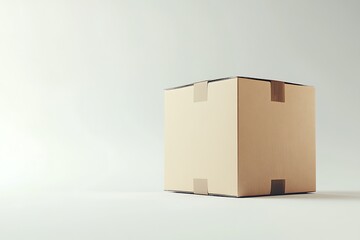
x=81, y=108
x=166, y=215
x=81, y=100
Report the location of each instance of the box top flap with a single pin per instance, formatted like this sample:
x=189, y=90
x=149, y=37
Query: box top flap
x=227, y=78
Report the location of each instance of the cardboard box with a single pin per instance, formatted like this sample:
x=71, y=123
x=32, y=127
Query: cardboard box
x=240, y=136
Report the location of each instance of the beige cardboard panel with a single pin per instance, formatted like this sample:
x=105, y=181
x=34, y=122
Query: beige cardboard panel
x=276, y=139
x=201, y=138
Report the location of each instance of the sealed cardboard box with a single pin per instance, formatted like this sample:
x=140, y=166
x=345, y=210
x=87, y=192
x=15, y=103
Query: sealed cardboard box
x=240, y=137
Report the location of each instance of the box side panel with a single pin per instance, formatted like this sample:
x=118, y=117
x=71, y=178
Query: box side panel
x=276, y=139
x=201, y=139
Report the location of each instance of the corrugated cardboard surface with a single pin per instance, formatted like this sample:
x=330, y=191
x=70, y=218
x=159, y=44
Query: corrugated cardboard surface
x=240, y=137
x=276, y=139
x=201, y=138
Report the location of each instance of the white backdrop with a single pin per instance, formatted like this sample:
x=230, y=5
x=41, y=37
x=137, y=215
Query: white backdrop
x=81, y=82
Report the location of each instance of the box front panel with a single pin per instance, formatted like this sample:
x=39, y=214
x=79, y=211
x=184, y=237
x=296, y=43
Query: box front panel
x=201, y=138
x=276, y=139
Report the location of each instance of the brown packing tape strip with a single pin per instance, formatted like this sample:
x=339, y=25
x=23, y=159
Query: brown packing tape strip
x=200, y=91
x=200, y=186
x=277, y=187
x=277, y=91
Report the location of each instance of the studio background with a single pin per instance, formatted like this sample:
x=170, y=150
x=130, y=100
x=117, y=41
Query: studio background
x=81, y=82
